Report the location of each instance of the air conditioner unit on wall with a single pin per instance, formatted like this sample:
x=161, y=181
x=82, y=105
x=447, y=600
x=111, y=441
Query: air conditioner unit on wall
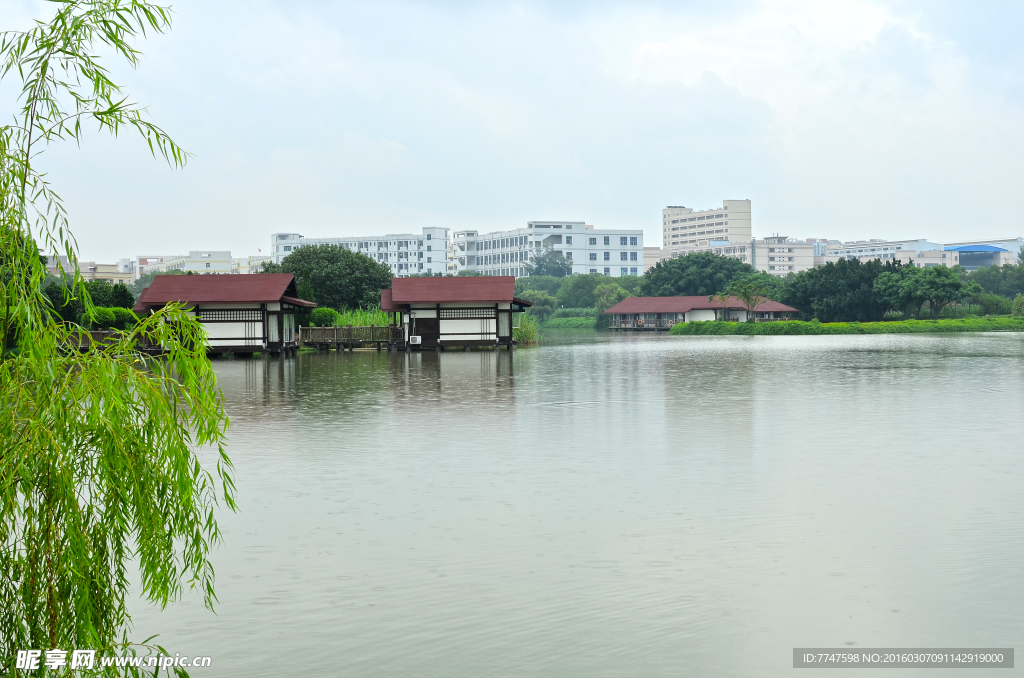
x=415, y=340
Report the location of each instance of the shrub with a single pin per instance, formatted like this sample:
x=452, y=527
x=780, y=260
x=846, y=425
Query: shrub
x=324, y=317
x=900, y=327
x=586, y=323
x=528, y=332
x=1018, y=306
x=574, y=313
x=124, y=319
x=101, y=318
x=543, y=303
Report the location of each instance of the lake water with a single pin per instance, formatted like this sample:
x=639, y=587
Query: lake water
x=616, y=506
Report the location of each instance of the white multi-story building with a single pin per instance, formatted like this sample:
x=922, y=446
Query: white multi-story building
x=405, y=253
x=685, y=229
x=197, y=261
x=780, y=256
x=611, y=252
x=250, y=264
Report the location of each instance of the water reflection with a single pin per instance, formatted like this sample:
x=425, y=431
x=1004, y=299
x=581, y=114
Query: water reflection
x=616, y=506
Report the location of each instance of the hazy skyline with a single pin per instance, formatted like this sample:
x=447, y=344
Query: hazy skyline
x=840, y=120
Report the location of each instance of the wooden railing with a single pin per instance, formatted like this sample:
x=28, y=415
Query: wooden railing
x=349, y=336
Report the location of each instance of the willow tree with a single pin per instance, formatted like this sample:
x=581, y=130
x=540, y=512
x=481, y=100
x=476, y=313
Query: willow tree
x=100, y=480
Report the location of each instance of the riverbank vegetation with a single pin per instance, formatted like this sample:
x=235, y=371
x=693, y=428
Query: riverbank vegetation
x=528, y=332
x=798, y=327
x=100, y=482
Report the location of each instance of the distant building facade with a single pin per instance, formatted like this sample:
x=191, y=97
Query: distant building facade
x=610, y=252
x=405, y=253
x=196, y=261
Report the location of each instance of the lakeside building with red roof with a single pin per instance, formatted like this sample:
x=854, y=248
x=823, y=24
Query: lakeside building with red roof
x=242, y=313
x=435, y=313
x=661, y=313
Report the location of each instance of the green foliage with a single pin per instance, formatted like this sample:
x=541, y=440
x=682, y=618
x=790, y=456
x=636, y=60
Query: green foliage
x=550, y=263
x=578, y=290
x=339, y=277
x=992, y=304
x=1006, y=280
x=630, y=283
x=542, y=283
x=583, y=323
x=750, y=292
x=1018, y=306
x=124, y=318
x=99, y=292
x=528, y=332
x=364, y=317
x=305, y=291
x=100, y=482
x=121, y=296
x=62, y=301
x=328, y=317
x=574, y=312
x=607, y=294
x=469, y=274
x=324, y=317
x=840, y=291
x=100, y=318
x=797, y=327
x=698, y=274
x=543, y=303
x=144, y=281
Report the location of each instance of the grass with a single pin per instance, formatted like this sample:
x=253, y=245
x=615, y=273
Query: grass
x=574, y=313
x=364, y=317
x=796, y=327
x=528, y=332
x=585, y=323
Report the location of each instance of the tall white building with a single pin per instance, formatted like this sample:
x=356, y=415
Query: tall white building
x=684, y=229
x=611, y=252
x=405, y=253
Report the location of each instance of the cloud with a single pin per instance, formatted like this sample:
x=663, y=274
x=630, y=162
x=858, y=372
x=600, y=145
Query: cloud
x=841, y=119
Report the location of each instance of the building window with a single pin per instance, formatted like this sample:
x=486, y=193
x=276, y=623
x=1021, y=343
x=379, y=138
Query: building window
x=428, y=260
x=632, y=271
x=607, y=240
x=632, y=240
x=623, y=271
x=287, y=248
x=622, y=256
x=208, y=264
x=607, y=256
x=568, y=255
x=568, y=240
x=622, y=240
x=593, y=241
x=632, y=256
x=593, y=256
x=593, y=270
x=428, y=236
x=607, y=271
x=428, y=248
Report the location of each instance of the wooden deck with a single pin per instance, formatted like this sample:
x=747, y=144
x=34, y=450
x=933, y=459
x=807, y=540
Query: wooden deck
x=351, y=337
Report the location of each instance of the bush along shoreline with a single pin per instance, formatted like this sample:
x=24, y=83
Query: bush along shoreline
x=799, y=327
x=585, y=323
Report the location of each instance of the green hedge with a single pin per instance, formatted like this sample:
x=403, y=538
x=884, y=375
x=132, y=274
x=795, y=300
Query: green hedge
x=570, y=323
x=574, y=313
x=1000, y=324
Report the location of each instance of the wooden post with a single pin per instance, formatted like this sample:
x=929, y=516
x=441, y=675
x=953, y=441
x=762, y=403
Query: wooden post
x=351, y=341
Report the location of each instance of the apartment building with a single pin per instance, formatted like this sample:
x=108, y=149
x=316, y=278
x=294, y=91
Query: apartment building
x=780, y=256
x=611, y=252
x=196, y=261
x=405, y=253
x=91, y=270
x=685, y=229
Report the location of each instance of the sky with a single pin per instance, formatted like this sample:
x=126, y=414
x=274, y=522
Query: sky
x=838, y=119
